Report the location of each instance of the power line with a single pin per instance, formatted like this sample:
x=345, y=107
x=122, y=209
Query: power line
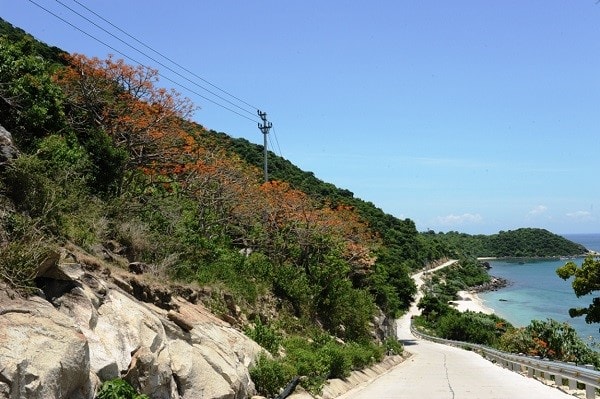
x=158, y=62
x=164, y=56
x=138, y=62
x=277, y=142
x=152, y=58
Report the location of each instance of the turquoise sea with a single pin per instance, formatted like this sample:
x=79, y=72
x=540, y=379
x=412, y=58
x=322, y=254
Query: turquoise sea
x=536, y=292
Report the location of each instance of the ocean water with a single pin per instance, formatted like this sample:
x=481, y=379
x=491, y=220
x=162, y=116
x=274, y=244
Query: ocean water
x=536, y=292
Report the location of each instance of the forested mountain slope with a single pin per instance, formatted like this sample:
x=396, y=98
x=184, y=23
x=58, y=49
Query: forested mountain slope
x=524, y=242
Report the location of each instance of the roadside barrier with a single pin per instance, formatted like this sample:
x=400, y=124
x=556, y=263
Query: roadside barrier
x=561, y=373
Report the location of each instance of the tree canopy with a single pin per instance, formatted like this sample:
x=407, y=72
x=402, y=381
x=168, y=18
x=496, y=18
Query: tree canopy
x=520, y=243
x=586, y=281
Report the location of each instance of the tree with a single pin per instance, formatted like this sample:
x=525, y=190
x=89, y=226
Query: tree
x=119, y=114
x=30, y=102
x=587, y=280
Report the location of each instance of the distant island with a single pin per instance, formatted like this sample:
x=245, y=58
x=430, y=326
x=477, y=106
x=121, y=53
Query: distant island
x=520, y=243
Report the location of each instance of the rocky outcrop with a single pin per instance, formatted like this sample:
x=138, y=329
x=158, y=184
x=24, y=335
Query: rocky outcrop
x=494, y=284
x=42, y=354
x=8, y=151
x=90, y=327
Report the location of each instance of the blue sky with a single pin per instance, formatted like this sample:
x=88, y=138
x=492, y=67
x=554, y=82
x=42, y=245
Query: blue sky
x=475, y=116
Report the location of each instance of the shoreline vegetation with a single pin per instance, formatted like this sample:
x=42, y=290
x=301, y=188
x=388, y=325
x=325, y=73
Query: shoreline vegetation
x=452, y=309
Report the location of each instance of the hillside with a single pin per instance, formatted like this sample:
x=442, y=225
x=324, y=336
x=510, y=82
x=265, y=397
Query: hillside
x=524, y=242
x=97, y=160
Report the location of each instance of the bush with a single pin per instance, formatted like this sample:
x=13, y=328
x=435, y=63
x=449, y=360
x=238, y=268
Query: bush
x=393, y=346
x=118, y=389
x=338, y=361
x=24, y=252
x=51, y=188
x=270, y=376
x=472, y=327
x=265, y=336
x=550, y=339
x=363, y=354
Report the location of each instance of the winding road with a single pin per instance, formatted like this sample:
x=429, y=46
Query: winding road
x=443, y=372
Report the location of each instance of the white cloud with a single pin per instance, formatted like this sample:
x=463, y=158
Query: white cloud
x=454, y=220
x=538, y=210
x=580, y=215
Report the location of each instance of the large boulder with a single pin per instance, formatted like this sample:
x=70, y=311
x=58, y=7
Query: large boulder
x=42, y=353
x=88, y=330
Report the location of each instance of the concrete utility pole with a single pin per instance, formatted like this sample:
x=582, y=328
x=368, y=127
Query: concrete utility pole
x=264, y=128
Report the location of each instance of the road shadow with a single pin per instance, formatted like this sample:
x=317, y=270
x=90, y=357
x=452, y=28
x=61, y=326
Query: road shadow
x=408, y=342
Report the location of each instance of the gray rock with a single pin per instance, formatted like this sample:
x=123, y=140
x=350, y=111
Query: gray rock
x=94, y=331
x=8, y=151
x=43, y=355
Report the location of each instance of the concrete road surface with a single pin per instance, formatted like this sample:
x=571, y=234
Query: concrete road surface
x=438, y=371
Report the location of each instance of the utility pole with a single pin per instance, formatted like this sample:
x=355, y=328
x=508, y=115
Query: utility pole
x=264, y=128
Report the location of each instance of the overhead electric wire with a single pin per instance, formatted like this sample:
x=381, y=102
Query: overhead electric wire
x=140, y=63
x=277, y=142
x=158, y=62
x=164, y=56
x=153, y=59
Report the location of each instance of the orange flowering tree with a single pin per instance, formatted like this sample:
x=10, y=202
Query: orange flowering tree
x=113, y=104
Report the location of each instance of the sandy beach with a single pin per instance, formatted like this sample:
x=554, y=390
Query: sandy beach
x=470, y=301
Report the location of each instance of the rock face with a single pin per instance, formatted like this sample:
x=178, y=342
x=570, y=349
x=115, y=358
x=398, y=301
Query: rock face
x=89, y=330
x=8, y=151
x=494, y=284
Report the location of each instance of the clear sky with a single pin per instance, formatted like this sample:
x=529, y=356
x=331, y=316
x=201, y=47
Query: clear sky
x=476, y=116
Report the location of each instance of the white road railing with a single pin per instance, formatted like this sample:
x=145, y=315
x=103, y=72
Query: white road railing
x=562, y=373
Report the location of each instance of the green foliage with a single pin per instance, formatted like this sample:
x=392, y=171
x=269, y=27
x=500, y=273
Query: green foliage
x=118, y=389
x=391, y=285
x=433, y=306
x=444, y=285
x=265, y=335
x=51, y=188
x=448, y=323
x=23, y=254
x=30, y=102
x=334, y=292
x=393, y=346
x=467, y=273
x=515, y=340
x=440, y=319
x=108, y=161
x=549, y=339
x=586, y=281
x=525, y=242
x=472, y=327
x=271, y=375
x=317, y=360
x=14, y=34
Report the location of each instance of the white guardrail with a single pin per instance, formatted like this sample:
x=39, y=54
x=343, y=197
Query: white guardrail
x=562, y=373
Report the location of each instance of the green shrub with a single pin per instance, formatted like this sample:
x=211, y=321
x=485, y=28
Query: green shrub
x=265, y=336
x=393, y=346
x=308, y=361
x=338, y=360
x=118, y=389
x=24, y=252
x=550, y=339
x=270, y=375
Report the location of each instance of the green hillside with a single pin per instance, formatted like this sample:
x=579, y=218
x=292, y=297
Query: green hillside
x=109, y=163
x=524, y=242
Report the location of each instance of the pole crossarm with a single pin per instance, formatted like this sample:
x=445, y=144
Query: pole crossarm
x=264, y=128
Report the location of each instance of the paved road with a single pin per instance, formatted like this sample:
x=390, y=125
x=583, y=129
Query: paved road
x=437, y=371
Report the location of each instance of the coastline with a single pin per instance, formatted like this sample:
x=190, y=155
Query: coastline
x=470, y=301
